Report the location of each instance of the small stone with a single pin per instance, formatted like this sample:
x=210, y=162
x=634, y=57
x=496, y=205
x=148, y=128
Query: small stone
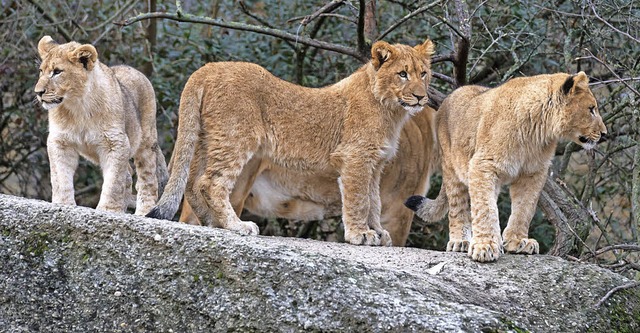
x=117, y=294
x=157, y=238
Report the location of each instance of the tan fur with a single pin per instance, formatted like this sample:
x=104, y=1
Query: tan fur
x=505, y=135
x=232, y=113
x=107, y=115
x=300, y=196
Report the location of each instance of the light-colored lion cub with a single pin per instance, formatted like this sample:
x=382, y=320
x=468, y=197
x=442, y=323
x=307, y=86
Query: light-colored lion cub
x=234, y=113
x=504, y=135
x=107, y=115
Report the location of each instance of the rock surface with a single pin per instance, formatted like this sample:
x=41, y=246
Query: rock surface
x=74, y=269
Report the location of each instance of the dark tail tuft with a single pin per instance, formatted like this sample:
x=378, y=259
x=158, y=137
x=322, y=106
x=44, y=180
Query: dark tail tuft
x=157, y=213
x=414, y=202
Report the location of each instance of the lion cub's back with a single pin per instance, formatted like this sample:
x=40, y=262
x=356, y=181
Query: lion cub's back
x=134, y=82
x=458, y=118
x=139, y=102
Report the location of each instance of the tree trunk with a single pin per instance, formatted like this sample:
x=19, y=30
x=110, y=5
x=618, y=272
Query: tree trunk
x=152, y=32
x=370, y=22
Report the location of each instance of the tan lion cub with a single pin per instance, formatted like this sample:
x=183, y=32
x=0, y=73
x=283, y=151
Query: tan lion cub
x=232, y=113
x=107, y=115
x=504, y=135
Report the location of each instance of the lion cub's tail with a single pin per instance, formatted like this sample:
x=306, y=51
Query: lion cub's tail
x=427, y=209
x=189, y=124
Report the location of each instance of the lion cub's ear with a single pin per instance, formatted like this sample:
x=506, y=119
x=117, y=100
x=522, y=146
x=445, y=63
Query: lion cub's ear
x=45, y=45
x=426, y=49
x=575, y=82
x=85, y=54
x=381, y=52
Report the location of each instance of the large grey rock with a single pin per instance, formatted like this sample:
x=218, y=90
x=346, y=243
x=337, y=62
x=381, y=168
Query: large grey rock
x=74, y=269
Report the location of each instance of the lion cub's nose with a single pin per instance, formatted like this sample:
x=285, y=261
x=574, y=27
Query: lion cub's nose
x=418, y=97
x=603, y=137
x=40, y=92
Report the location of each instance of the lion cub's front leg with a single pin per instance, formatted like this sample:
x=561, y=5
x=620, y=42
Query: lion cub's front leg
x=524, y=197
x=63, y=161
x=114, y=161
x=375, y=209
x=361, y=203
x=486, y=243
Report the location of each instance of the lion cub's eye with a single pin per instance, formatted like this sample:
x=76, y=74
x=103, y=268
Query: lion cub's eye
x=57, y=71
x=423, y=75
x=592, y=109
x=403, y=74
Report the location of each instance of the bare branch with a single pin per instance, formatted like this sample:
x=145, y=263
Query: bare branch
x=612, y=72
x=181, y=17
x=339, y=16
x=614, y=81
x=407, y=17
x=624, y=247
x=444, y=78
x=328, y=8
x=629, y=285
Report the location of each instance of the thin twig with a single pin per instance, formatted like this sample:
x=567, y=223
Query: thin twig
x=328, y=8
x=340, y=16
x=618, y=288
x=625, y=247
x=593, y=9
x=613, y=72
x=407, y=17
x=615, y=81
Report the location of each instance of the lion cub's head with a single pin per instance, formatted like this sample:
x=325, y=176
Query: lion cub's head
x=402, y=74
x=581, y=122
x=64, y=71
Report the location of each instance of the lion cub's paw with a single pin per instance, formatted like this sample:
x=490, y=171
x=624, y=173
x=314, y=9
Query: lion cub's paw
x=523, y=246
x=457, y=245
x=245, y=228
x=369, y=237
x=385, y=238
x=484, y=250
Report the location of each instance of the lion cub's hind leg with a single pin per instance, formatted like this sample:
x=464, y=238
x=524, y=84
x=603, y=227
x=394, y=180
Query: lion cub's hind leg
x=147, y=180
x=459, y=216
x=524, y=194
x=486, y=242
x=225, y=160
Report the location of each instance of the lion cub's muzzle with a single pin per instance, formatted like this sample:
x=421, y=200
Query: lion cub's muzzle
x=589, y=143
x=48, y=101
x=414, y=103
